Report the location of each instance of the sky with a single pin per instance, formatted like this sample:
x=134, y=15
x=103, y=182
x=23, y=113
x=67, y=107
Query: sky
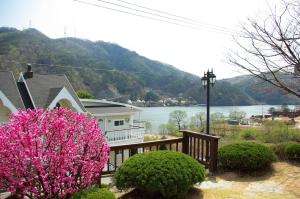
x=188, y=49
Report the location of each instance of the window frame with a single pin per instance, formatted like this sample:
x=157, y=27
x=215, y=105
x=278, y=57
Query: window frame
x=120, y=122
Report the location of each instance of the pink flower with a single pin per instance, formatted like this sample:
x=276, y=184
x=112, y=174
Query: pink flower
x=50, y=153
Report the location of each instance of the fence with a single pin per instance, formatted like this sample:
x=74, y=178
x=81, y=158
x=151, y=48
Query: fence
x=201, y=147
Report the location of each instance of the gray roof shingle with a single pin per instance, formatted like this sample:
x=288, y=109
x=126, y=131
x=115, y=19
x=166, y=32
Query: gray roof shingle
x=9, y=87
x=44, y=88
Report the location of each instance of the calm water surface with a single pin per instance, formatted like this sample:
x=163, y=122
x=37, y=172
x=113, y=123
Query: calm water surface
x=160, y=115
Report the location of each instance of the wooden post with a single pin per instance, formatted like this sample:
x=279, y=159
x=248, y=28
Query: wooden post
x=185, y=143
x=213, y=162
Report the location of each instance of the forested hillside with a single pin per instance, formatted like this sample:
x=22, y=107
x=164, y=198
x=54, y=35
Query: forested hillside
x=261, y=91
x=110, y=71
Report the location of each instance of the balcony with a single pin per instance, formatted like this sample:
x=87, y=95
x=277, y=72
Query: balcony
x=135, y=134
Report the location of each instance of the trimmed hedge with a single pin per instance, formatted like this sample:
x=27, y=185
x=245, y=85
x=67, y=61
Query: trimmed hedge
x=170, y=173
x=293, y=151
x=94, y=193
x=245, y=156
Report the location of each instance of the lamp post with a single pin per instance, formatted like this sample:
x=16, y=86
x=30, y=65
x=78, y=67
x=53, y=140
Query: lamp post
x=208, y=80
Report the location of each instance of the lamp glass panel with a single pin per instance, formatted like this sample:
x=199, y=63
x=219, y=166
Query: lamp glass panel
x=204, y=81
x=213, y=79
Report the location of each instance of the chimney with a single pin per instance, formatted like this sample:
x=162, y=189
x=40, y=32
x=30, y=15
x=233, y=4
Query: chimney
x=28, y=73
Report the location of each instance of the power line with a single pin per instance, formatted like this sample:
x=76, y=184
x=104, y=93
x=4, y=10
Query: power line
x=189, y=22
x=67, y=66
x=193, y=26
x=74, y=67
x=138, y=15
x=177, y=16
x=156, y=10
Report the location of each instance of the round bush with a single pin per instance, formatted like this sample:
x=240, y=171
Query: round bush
x=279, y=149
x=94, y=193
x=170, y=173
x=245, y=156
x=293, y=151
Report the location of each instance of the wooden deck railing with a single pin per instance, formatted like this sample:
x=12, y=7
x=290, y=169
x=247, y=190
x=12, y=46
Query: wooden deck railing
x=201, y=147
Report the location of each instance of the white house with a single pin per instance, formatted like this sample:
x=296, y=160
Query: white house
x=116, y=121
x=49, y=91
x=35, y=91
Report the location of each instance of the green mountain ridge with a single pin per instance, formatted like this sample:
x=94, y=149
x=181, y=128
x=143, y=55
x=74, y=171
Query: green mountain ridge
x=263, y=92
x=108, y=70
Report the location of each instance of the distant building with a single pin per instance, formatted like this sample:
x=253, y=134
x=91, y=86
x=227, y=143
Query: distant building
x=233, y=122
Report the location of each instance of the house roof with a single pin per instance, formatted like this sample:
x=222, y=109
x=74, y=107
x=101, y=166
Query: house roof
x=9, y=87
x=106, y=103
x=44, y=88
x=108, y=108
x=109, y=111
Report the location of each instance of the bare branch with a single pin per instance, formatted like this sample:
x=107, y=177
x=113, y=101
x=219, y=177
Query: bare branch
x=269, y=49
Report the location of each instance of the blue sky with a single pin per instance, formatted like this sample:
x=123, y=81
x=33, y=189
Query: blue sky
x=187, y=49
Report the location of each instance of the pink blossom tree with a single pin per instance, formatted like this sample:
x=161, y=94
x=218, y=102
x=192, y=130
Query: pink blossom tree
x=50, y=153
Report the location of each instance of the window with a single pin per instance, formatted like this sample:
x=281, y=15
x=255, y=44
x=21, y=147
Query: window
x=119, y=122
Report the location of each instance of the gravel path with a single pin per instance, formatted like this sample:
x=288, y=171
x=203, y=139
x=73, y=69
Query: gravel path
x=282, y=182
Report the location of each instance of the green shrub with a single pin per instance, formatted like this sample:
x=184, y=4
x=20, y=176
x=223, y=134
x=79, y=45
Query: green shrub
x=104, y=186
x=278, y=132
x=170, y=173
x=247, y=134
x=94, y=193
x=279, y=149
x=293, y=151
x=295, y=135
x=245, y=156
x=163, y=147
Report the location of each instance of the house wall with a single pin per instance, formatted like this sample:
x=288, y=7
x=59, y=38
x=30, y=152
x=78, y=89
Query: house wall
x=107, y=123
x=65, y=97
x=4, y=113
x=110, y=121
x=6, y=108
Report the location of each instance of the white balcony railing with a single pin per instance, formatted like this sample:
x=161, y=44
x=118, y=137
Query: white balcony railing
x=137, y=123
x=125, y=136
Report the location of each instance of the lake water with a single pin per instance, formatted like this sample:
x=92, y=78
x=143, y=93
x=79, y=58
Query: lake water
x=160, y=115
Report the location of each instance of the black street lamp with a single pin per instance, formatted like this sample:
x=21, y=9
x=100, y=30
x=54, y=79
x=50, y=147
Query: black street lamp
x=208, y=80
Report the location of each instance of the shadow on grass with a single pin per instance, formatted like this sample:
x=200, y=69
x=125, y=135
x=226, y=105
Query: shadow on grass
x=193, y=193
x=245, y=176
x=294, y=162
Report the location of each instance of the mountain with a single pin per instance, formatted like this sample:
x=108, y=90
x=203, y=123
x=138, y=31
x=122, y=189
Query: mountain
x=108, y=70
x=261, y=91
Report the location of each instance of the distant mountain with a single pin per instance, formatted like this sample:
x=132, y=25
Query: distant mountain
x=262, y=92
x=109, y=71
